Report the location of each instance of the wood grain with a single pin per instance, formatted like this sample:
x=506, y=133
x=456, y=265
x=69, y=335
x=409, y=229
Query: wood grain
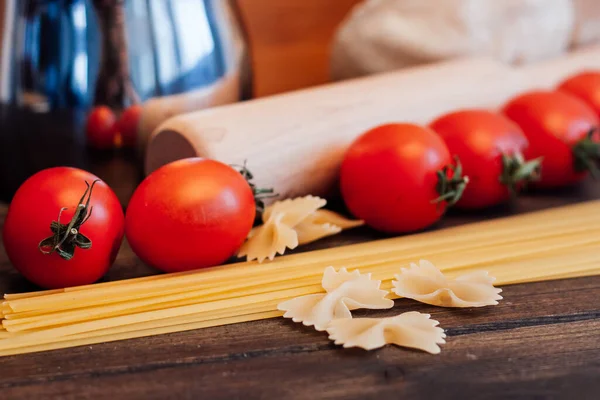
x=290, y=41
x=540, y=342
x=501, y=352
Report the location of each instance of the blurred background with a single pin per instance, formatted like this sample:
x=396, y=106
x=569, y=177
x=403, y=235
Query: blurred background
x=70, y=68
x=84, y=83
x=291, y=41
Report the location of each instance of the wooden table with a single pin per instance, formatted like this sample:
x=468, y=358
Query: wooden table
x=541, y=342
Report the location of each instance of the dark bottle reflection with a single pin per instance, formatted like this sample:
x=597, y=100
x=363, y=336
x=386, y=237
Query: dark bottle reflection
x=65, y=56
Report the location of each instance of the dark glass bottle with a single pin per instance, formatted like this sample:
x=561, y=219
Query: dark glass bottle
x=60, y=58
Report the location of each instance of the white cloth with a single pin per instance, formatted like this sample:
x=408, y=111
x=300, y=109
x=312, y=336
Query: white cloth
x=382, y=35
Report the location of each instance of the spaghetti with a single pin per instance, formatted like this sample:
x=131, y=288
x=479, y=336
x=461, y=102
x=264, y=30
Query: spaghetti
x=551, y=244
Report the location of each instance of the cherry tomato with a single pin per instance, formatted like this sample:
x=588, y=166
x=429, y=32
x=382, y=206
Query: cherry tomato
x=31, y=244
x=128, y=124
x=585, y=86
x=490, y=147
x=559, y=128
x=399, y=178
x=101, y=128
x=190, y=214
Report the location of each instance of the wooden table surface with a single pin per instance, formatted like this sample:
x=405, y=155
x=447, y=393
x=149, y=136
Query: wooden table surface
x=541, y=342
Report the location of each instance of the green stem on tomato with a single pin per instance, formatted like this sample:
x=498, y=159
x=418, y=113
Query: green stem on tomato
x=451, y=183
x=66, y=237
x=260, y=194
x=586, y=154
x=517, y=171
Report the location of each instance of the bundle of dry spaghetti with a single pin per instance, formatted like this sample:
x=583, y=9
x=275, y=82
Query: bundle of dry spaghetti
x=551, y=244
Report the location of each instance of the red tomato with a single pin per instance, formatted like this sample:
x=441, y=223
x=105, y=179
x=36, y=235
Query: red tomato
x=392, y=175
x=557, y=127
x=586, y=86
x=101, y=128
x=490, y=147
x=38, y=203
x=128, y=124
x=190, y=214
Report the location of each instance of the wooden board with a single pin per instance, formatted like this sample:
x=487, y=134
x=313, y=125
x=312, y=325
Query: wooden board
x=540, y=342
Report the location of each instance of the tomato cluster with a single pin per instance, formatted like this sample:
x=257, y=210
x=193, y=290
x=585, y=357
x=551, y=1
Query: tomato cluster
x=105, y=131
x=400, y=177
x=64, y=226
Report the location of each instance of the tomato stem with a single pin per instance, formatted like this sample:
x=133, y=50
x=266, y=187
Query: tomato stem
x=517, y=171
x=586, y=154
x=451, y=183
x=66, y=237
x=260, y=194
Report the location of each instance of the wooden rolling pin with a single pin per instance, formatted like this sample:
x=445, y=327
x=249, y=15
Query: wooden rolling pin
x=295, y=142
x=159, y=109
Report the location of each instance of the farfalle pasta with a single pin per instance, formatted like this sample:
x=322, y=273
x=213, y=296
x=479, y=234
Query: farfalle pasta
x=427, y=284
x=345, y=291
x=290, y=223
x=410, y=329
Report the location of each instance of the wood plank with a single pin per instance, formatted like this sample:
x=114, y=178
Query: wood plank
x=522, y=362
x=528, y=328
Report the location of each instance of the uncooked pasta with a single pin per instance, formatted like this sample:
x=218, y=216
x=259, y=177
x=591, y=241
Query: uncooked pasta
x=552, y=244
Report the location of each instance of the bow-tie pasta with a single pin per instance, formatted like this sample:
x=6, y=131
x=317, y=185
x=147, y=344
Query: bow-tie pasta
x=410, y=329
x=427, y=284
x=345, y=291
x=323, y=223
x=292, y=222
